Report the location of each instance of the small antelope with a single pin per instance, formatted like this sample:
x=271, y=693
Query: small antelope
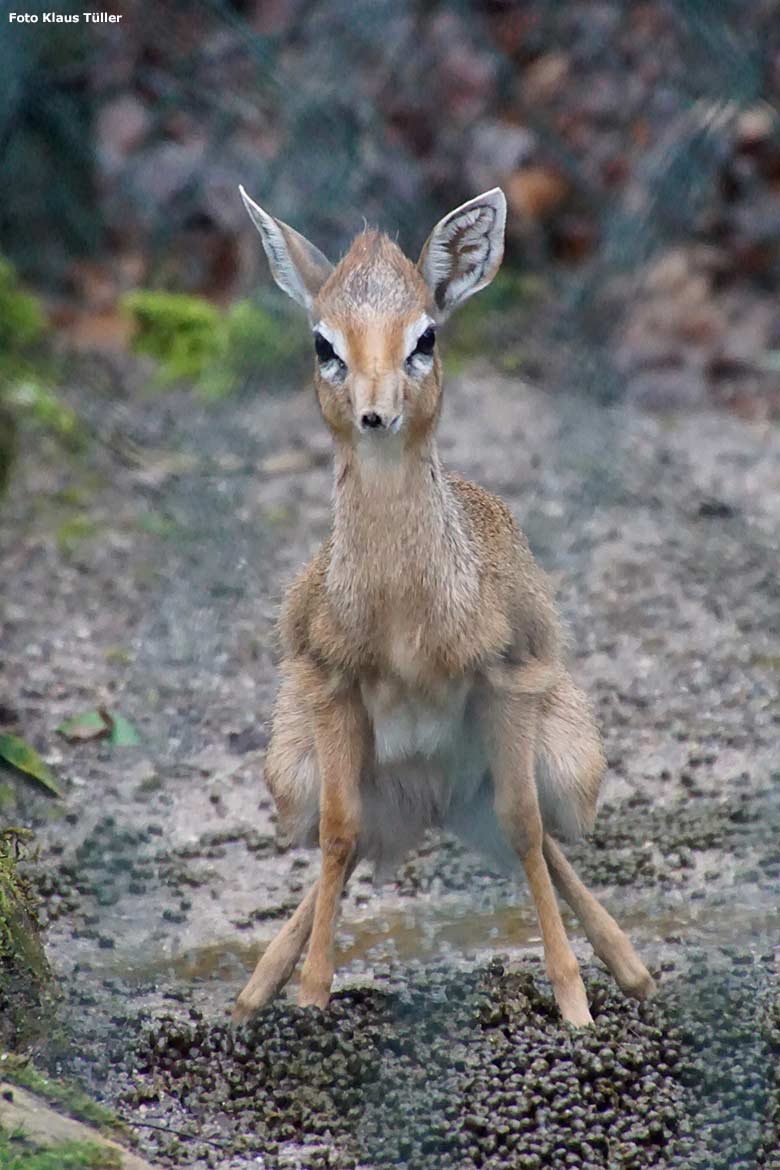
x=422, y=681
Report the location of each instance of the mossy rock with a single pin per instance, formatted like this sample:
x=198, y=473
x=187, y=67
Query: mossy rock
x=220, y=352
x=25, y=976
x=22, y=321
x=177, y=330
x=42, y=1130
x=16, y=1153
x=63, y=1095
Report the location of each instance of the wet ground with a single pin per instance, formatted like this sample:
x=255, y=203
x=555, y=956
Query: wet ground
x=145, y=574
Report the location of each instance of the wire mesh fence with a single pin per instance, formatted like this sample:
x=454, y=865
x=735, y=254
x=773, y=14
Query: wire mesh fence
x=330, y=111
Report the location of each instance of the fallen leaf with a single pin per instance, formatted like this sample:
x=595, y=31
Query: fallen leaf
x=89, y=725
x=536, y=192
x=124, y=734
x=20, y=756
x=100, y=724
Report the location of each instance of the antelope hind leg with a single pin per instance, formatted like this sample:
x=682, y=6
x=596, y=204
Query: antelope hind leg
x=318, y=967
x=511, y=725
x=605, y=936
x=277, y=962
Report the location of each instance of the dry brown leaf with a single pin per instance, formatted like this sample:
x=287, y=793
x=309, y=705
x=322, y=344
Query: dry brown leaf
x=535, y=193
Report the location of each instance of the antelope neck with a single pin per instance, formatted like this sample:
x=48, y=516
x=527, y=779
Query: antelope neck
x=395, y=518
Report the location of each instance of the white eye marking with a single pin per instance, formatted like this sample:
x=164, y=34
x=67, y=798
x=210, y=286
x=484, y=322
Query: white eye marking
x=419, y=338
x=332, y=366
x=334, y=371
x=413, y=331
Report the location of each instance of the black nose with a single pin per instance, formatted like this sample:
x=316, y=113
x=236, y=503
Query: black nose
x=372, y=419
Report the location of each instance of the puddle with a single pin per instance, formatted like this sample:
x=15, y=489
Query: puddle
x=405, y=934
x=464, y=934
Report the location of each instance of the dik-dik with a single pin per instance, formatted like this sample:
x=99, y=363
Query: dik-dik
x=422, y=679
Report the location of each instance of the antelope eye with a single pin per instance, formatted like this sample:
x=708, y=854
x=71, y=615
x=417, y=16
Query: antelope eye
x=325, y=351
x=425, y=342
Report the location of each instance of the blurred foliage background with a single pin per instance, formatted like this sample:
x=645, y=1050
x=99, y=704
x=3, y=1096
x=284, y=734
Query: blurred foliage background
x=638, y=145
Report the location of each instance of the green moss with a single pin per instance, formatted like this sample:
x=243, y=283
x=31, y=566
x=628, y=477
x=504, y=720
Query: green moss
x=15, y=1154
x=179, y=331
x=43, y=407
x=74, y=530
x=8, y=444
x=24, y=970
x=68, y=1098
x=220, y=352
x=26, y=372
x=69, y=497
x=279, y=515
x=22, y=325
x=22, y=321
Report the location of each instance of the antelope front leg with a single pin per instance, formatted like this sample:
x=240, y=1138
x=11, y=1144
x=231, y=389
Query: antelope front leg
x=341, y=733
x=512, y=723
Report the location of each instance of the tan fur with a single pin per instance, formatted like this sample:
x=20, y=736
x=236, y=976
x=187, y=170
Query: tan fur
x=422, y=676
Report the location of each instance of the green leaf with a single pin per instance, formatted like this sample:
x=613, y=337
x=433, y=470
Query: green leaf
x=100, y=724
x=19, y=755
x=88, y=725
x=124, y=734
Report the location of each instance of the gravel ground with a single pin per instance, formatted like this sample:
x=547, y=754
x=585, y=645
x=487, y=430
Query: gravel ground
x=150, y=582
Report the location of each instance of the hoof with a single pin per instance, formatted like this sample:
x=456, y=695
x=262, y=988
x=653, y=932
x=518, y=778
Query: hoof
x=244, y=1008
x=630, y=973
x=578, y=1017
x=639, y=986
x=258, y=992
x=573, y=1002
x=314, y=995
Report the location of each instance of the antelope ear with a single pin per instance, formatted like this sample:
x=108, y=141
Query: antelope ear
x=297, y=266
x=464, y=251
